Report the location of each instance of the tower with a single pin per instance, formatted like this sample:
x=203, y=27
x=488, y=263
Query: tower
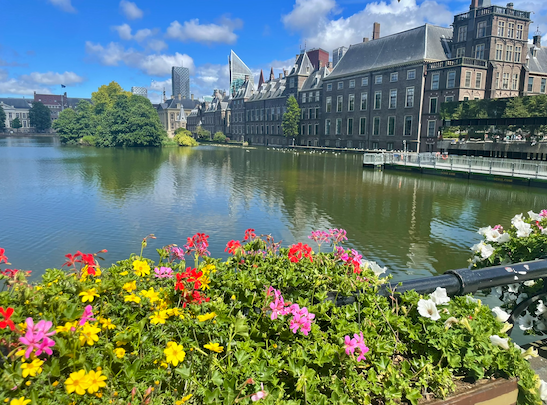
x=180, y=77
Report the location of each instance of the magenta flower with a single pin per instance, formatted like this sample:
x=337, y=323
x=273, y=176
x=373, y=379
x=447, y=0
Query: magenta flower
x=302, y=319
x=543, y=213
x=260, y=394
x=163, y=272
x=338, y=235
x=87, y=315
x=37, y=337
x=351, y=345
x=358, y=342
x=176, y=253
x=320, y=237
x=499, y=228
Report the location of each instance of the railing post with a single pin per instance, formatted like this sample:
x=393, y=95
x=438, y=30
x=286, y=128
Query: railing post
x=537, y=170
x=451, y=163
x=512, y=169
x=490, y=167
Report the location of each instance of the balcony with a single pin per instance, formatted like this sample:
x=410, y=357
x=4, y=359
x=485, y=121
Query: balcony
x=457, y=62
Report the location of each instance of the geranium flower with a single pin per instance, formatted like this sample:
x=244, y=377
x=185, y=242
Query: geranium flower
x=206, y=317
x=89, y=295
x=163, y=272
x=234, y=247
x=174, y=353
x=130, y=286
x=214, y=347
x=87, y=315
x=296, y=252
x=439, y=296
x=428, y=309
x=500, y=314
x=141, y=267
x=37, y=337
x=500, y=342
x=20, y=401
x=32, y=368
x=260, y=394
x=338, y=235
x=351, y=345
x=95, y=381
x=119, y=352
x=320, y=237
x=176, y=253
x=6, y=322
x=198, y=244
x=3, y=257
x=89, y=334
x=77, y=382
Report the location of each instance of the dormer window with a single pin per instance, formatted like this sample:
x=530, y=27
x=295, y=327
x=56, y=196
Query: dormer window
x=307, y=69
x=535, y=52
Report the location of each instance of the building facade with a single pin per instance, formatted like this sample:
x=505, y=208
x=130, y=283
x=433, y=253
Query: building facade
x=139, y=91
x=180, y=82
x=238, y=72
x=337, y=54
x=173, y=113
x=17, y=108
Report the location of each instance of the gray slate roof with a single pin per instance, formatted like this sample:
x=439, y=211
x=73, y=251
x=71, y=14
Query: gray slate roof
x=271, y=89
x=418, y=44
x=186, y=103
x=245, y=91
x=73, y=101
x=17, y=102
x=539, y=63
x=302, y=66
x=315, y=80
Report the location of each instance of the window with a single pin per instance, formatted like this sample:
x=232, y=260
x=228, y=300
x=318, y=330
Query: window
x=411, y=74
x=509, y=53
x=351, y=102
x=543, y=83
x=510, y=30
x=364, y=81
x=316, y=96
x=505, y=82
x=303, y=130
x=409, y=97
x=389, y=146
x=394, y=77
x=435, y=81
x=462, y=34
x=478, y=80
x=467, y=79
x=350, y=126
x=316, y=129
x=501, y=28
x=530, y=84
x=375, y=145
x=479, y=51
x=303, y=113
x=377, y=100
x=431, y=128
x=329, y=87
x=449, y=99
x=408, y=125
x=481, y=29
x=267, y=129
x=328, y=105
x=311, y=114
x=378, y=79
x=515, y=85
x=518, y=52
x=451, y=80
x=499, y=51
x=338, y=126
x=376, y=126
x=316, y=112
x=433, y=105
x=340, y=85
x=460, y=52
x=327, y=127
x=291, y=82
x=351, y=84
x=339, y=102
x=391, y=126
x=362, y=126
x=393, y=98
x=303, y=97
x=364, y=101
x=519, y=31
x=309, y=129
x=497, y=80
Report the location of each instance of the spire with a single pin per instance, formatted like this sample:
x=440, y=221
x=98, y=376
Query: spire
x=272, y=76
x=261, y=80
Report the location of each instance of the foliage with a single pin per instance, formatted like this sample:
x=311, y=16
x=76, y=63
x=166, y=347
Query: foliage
x=2, y=118
x=219, y=137
x=66, y=126
x=525, y=240
x=259, y=326
x=291, y=118
x=40, y=116
x=184, y=137
x=88, y=140
x=16, y=123
x=203, y=133
x=105, y=97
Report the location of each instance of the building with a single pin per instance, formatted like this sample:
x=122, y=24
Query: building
x=311, y=103
x=337, y=54
x=318, y=58
x=16, y=108
x=238, y=72
x=216, y=114
x=140, y=91
x=180, y=82
x=58, y=102
x=173, y=113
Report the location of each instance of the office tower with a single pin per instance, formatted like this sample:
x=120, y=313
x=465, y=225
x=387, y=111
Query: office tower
x=238, y=71
x=140, y=91
x=180, y=81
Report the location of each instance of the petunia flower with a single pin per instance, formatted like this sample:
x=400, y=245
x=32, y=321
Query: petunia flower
x=439, y=296
x=500, y=314
x=526, y=322
x=428, y=309
x=500, y=342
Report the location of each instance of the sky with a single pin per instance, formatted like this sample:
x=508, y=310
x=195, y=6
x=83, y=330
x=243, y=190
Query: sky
x=84, y=44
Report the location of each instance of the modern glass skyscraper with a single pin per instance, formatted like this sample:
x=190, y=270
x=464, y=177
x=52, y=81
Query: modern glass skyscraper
x=180, y=77
x=141, y=91
x=238, y=71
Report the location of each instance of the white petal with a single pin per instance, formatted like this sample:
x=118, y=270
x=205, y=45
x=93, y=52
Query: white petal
x=500, y=342
x=439, y=296
x=500, y=314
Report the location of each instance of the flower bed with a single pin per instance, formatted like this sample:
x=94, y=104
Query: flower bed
x=256, y=327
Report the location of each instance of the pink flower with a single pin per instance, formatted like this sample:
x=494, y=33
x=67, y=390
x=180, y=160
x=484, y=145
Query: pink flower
x=163, y=272
x=543, y=213
x=176, y=253
x=302, y=319
x=338, y=235
x=320, y=237
x=260, y=394
x=360, y=343
x=498, y=228
x=37, y=337
x=87, y=315
x=351, y=345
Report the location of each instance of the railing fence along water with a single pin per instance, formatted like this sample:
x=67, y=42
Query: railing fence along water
x=467, y=164
x=466, y=281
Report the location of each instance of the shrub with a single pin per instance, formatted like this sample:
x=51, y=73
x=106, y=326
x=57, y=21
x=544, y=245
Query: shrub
x=88, y=140
x=219, y=137
x=185, y=140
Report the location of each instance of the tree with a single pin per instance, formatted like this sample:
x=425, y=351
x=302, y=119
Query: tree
x=184, y=137
x=203, y=133
x=291, y=119
x=219, y=137
x=104, y=98
x=16, y=123
x=2, y=118
x=40, y=116
x=66, y=127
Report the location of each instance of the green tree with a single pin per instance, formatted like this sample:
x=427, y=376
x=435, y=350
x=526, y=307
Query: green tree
x=16, y=124
x=2, y=118
x=291, y=119
x=184, y=137
x=203, y=133
x=66, y=126
x=104, y=98
x=40, y=116
x=219, y=137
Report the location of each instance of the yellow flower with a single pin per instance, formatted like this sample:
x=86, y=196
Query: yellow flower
x=174, y=312
x=77, y=382
x=164, y=364
x=150, y=294
x=233, y=298
x=20, y=353
x=214, y=347
x=206, y=317
x=89, y=334
x=183, y=400
x=32, y=368
x=124, y=273
x=141, y=268
x=67, y=327
x=158, y=317
x=55, y=383
x=210, y=268
x=38, y=288
x=205, y=282
x=174, y=353
x=131, y=286
x=20, y=401
x=107, y=323
x=132, y=298
x=89, y=295
x=95, y=381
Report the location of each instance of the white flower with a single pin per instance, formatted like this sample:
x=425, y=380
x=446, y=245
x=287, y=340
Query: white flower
x=543, y=390
x=529, y=283
x=501, y=315
x=449, y=322
x=533, y=216
x=500, y=342
x=544, y=231
x=439, y=296
x=484, y=249
x=541, y=308
x=376, y=268
x=428, y=309
x=521, y=298
x=494, y=235
x=513, y=288
x=526, y=322
x=523, y=229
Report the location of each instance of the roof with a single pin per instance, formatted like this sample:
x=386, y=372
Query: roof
x=51, y=99
x=539, y=63
x=73, y=101
x=16, y=102
x=419, y=44
x=302, y=66
x=315, y=80
x=245, y=91
x=271, y=89
x=186, y=103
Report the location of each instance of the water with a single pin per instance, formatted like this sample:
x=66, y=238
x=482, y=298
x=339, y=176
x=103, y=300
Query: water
x=56, y=200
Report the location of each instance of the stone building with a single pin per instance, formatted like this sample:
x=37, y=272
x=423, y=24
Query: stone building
x=16, y=108
x=173, y=113
x=311, y=103
x=216, y=115
x=237, y=107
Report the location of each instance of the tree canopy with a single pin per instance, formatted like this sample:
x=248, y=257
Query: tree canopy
x=16, y=123
x=291, y=118
x=104, y=98
x=2, y=118
x=40, y=116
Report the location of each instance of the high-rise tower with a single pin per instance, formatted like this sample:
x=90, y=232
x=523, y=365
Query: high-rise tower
x=180, y=77
x=238, y=71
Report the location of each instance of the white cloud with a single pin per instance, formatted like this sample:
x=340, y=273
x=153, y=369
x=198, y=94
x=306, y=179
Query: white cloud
x=155, y=90
x=64, y=5
x=53, y=78
x=130, y=10
x=205, y=33
x=124, y=31
x=154, y=64
x=39, y=82
x=321, y=28
x=157, y=45
x=141, y=35
x=3, y=74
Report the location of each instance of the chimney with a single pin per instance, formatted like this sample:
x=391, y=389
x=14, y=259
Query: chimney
x=537, y=40
x=192, y=97
x=281, y=75
x=376, y=31
x=272, y=76
x=510, y=5
x=365, y=40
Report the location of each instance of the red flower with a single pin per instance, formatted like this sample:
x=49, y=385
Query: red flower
x=198, y=244
x=296, y=252
x=233, y=246
x=72, y=259
x=250, y=234
x=10, y=273
x=6, y=322
x=2, y=256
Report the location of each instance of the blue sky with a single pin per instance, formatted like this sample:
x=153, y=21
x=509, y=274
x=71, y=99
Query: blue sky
x=84, y=44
